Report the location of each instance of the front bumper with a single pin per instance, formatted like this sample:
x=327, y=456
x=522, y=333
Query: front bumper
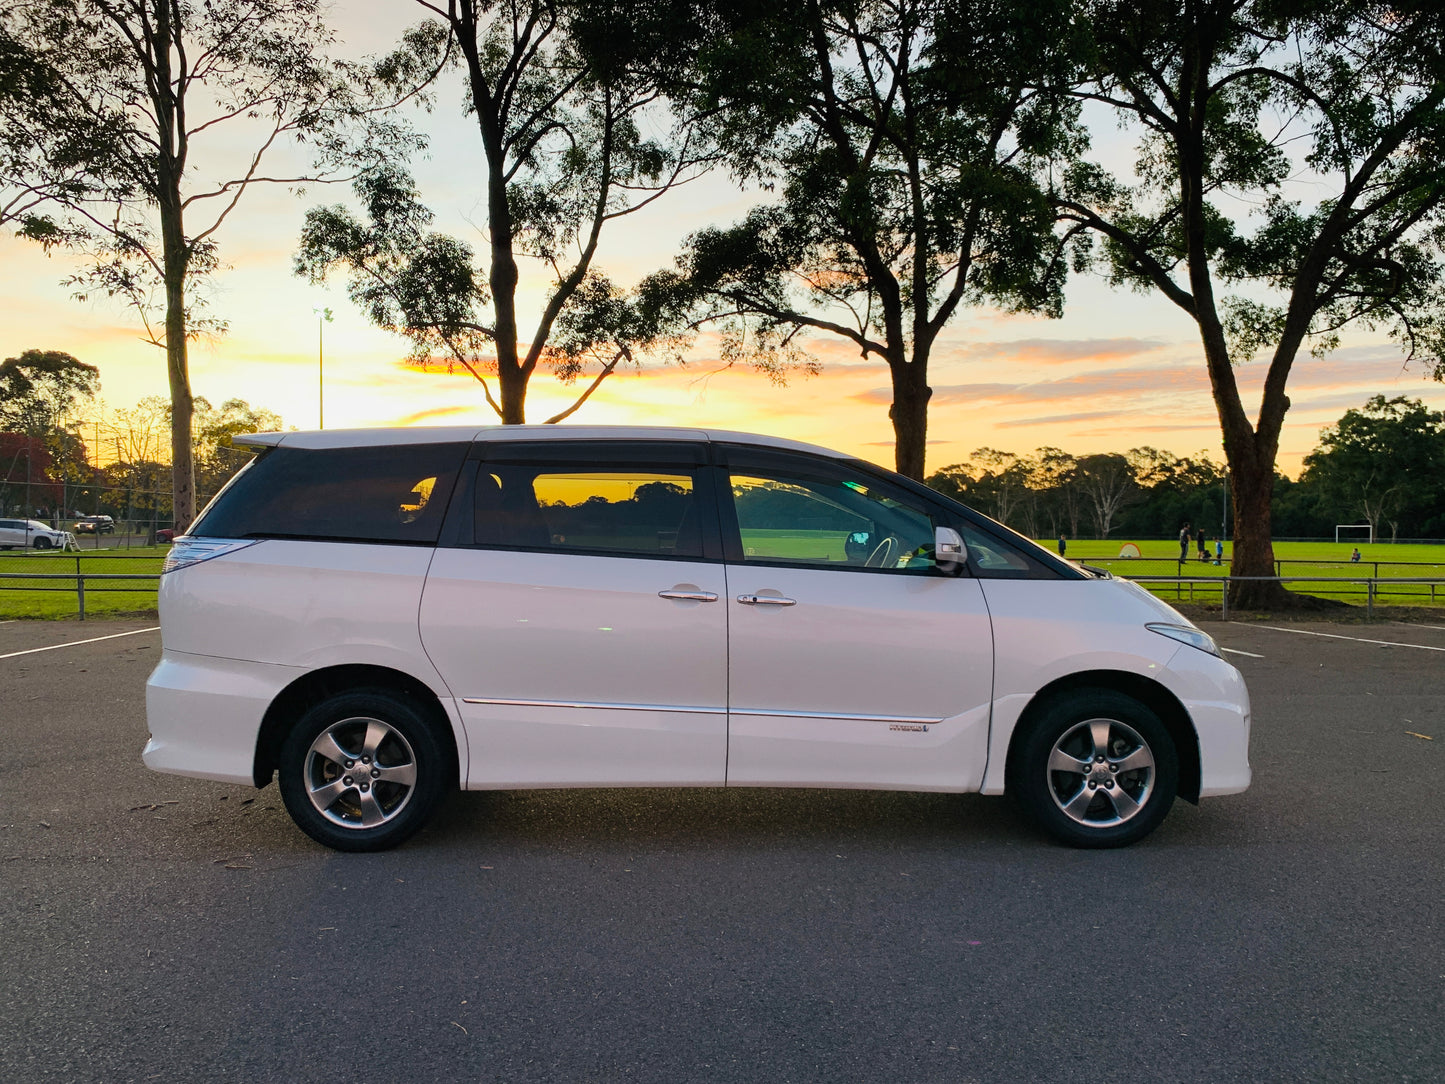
x=1213, y=693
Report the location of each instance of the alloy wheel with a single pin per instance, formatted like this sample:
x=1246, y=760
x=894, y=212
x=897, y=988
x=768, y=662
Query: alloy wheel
x=360, y=773
x=1101, y=773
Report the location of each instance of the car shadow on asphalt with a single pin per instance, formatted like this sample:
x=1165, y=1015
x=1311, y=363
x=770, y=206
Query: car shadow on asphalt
x=704, y=818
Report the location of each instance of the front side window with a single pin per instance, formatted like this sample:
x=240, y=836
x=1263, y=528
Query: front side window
x=991, y=557
x=829, y=516
x=627, y=510
x=388, y=493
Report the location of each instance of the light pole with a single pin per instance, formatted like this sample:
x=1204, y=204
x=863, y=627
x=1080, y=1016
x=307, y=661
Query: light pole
x=323, y=317
x=1224, y=507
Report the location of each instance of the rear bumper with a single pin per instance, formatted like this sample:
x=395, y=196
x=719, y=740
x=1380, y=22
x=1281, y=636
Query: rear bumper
x=205, y=714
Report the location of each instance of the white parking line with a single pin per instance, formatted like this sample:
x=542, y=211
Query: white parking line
x=1417, y=625
x=77, y=643
x=1236, y=651
x=1356, y=639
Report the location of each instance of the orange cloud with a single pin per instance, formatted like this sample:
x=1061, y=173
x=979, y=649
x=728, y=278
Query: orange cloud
x=421, y=417
x=1057, y=351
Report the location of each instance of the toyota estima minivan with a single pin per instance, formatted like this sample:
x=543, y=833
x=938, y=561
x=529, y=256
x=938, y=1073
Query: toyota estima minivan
x=379, y=616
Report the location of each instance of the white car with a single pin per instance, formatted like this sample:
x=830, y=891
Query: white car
x=30, y=534
x=378, y=616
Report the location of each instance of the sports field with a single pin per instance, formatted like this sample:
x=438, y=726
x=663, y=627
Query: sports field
x=1324, y=568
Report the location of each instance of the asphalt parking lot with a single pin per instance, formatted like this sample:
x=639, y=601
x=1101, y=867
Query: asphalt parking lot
x=158, y=928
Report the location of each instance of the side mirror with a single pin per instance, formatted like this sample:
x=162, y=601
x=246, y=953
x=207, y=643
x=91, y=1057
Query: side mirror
x=949, y=552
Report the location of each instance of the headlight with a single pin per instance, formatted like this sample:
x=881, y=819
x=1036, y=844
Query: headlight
x=1187, y=634
x=192, y=551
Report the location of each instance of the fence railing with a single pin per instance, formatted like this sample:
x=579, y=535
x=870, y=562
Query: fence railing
x=80, y=581
x=1114, y=564
x=1375, y=590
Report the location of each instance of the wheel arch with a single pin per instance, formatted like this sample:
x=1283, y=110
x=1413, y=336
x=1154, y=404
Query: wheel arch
x=1151, y=694
x=317, y=685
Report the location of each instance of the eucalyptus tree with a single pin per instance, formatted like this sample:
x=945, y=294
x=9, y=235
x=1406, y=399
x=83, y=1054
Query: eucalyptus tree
x=903, y=143
x=1384, y=462
x=177, y=108
x=1107, y=481
x=41, y=389
x=43, y=145
x=1289, y=183
x=564, y=94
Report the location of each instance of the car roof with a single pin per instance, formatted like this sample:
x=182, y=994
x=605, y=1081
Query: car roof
x=364, y=438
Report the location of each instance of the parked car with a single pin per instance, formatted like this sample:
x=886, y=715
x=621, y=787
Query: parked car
x=165, y=535
x=378, y=616
x=29, y=533
x=95, y=525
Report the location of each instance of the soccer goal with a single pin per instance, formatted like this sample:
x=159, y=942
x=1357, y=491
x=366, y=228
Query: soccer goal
x=1358, y=532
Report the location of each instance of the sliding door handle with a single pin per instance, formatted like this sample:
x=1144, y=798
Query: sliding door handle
x=694, y=596
x=766, y=600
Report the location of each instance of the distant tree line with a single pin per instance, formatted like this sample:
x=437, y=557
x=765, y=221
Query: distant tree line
x=1383, y=464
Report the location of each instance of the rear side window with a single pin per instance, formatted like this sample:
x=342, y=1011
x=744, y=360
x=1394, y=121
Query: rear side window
x=623, y=511
x=391, y=493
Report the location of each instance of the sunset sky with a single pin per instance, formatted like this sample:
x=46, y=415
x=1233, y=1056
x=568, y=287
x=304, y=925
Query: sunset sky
x=1118, y=371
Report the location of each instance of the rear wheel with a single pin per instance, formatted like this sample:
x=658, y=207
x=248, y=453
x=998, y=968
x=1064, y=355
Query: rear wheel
x=362, y=771
x=1095, y=768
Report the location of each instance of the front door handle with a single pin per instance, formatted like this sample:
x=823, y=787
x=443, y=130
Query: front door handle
x=694, y=596
x=766, y=600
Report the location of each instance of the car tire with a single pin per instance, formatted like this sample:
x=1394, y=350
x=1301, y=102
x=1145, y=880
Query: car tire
x=1094, y=768
x=42, y=543
x=363, y=770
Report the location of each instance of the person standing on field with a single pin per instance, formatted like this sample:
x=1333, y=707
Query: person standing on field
x=1203, y=549
x=1063, y=544
x=1184, y=544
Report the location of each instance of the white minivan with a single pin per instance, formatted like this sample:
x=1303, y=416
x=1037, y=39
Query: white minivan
x=377, y=616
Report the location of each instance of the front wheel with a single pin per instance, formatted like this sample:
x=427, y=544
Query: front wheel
x=362, y=771
x=42, y=543
x=1095, y=768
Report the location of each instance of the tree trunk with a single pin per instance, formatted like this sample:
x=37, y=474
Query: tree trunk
x=909, y=414
x=512, y=374
x=512, y=387
x=175, y=263
x=183, y=473
x=1251, y=491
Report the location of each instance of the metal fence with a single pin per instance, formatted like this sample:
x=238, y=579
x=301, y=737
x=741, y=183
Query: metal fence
x=1129, y=566
x=82, y=577
x=1370, y=590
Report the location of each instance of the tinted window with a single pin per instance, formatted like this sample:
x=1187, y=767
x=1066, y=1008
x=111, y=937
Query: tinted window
x=391, y=493
x=827, y=515
x=990, y=557
x=624, y=509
